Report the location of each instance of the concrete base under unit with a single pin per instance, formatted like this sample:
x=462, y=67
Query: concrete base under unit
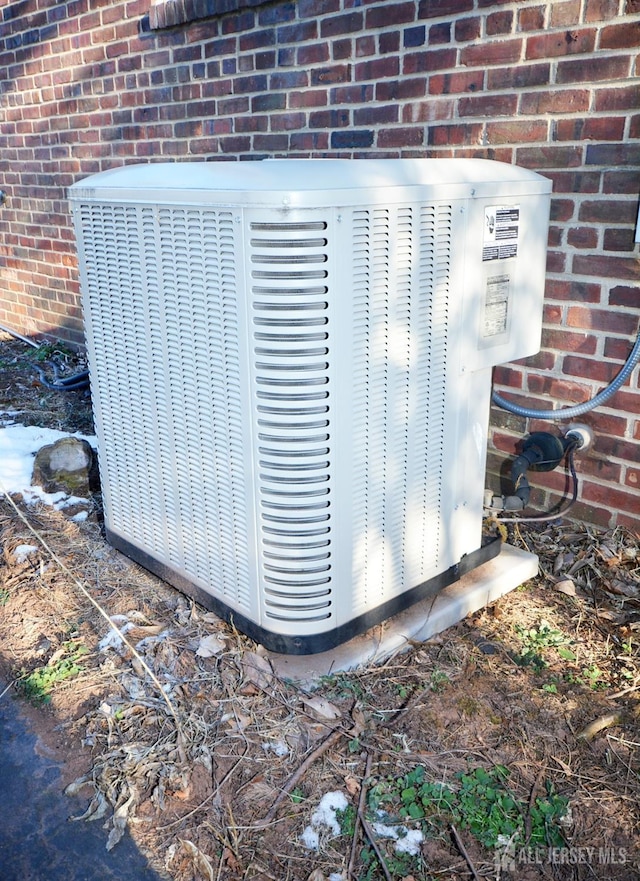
x=419, y=623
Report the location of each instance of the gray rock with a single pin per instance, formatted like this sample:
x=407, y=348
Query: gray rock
x=65, y=466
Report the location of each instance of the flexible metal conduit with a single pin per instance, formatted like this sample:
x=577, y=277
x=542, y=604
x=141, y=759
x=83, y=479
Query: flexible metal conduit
x=577, y=409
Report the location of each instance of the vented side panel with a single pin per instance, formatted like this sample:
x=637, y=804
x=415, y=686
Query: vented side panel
x=401, y=273
x=161, y=309
x=290, y=327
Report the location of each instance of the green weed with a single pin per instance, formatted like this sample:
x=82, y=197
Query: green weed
x=535, y=640
x=38, y=685
x=478, y=800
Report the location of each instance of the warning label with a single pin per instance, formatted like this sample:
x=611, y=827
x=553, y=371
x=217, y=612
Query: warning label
x=496, y=306
x=501, y=232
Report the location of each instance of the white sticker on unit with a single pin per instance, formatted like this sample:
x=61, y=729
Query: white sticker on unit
x=501, y=232
x=496, y=306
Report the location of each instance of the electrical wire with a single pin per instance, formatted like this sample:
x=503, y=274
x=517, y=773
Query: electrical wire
x=578, y=409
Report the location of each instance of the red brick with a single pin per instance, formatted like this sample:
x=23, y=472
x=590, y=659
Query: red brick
x=625, y=296
x=441, y=135
x=316, y=53
x=608, y=211
x=620, y=154
x=593, y=69
x=389, y=15
x=337, y=25
x=565, y=13
x=400, y=137
x=602, y=319
x=487, y=53
x=552, y=314
x=439, y=33
x=593, y=369
x=557, y=101
x=452, y=83
x=435, y=8
x=604, y=266
x=611, y=498
x=539, y=158
x=516, y=132
x=596, y=128
x=488, y=105
x=337, y=73
x=632, y=479
x=426, y=62
x=565, y=341
x=427, y=111
x=400, y=89
x=389, y=42
x=377, y=69
x=365, y=46
x=468, y=29
x=625, y=35
x=531, y=19
x=507, y=376
x=600, y=10
x=498, y=23
x=582, y=237
x=519, y=77
x=287, y=121
x=620, y=182
x=562, y=43
x=612, y=99
x=309, y=98
x=619, y=239
x=563, y=390
x=376, y=115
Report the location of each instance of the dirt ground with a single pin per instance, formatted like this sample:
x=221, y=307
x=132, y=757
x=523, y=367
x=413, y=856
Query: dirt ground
x=506, y=748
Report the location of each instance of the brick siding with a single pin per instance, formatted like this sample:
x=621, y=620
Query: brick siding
x=553, y=86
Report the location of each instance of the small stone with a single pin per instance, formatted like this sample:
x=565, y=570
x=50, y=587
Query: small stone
x=66, y=466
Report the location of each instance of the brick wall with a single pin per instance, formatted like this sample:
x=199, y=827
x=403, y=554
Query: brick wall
x=553, y=86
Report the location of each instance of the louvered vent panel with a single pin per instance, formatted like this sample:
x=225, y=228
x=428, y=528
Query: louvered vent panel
x=118, y=302
x=163, y=316
x=290, y=281
x=400, y=276
x=201, y=443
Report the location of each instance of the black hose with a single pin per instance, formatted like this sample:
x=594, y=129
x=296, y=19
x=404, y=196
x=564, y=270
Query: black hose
x=546, y=518
x=77, y=382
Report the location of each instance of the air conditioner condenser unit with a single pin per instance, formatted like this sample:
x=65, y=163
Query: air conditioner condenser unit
x=291, y=374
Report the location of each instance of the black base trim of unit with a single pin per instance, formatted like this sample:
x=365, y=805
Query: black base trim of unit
x=322, y=642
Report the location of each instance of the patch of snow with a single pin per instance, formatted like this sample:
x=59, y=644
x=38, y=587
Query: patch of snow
x=310, y=838
x=23, y=551
x=18, y=446
x=406, y=840
x=279, y=747
x=113, y=640
x=80, y=516
x=324, y=818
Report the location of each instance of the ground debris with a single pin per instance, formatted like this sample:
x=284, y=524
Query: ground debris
x=514, y=690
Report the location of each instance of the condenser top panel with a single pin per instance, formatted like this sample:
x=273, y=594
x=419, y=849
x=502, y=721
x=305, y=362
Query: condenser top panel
x=291, y=183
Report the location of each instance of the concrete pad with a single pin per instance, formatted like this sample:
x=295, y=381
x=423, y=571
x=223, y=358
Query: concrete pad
x=425, y=619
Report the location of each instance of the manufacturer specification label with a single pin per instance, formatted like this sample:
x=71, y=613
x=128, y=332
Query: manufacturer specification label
x=501, y=232
x=496, y=306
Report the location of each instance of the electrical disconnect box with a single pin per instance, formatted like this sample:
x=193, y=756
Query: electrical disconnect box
x=291, y=373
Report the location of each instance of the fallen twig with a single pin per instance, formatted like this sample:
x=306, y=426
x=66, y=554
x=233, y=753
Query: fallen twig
x=292, y=782
x=599, y=724
x=374, y=844
x=361, y=807
x=64, y=568
x=463, y=851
